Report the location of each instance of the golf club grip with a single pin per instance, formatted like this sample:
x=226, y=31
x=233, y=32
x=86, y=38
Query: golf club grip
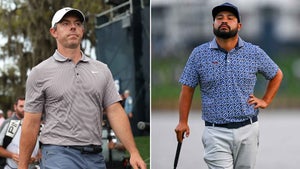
x=178, y=152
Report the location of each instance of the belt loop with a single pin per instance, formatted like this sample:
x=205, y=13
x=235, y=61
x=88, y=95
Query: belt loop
x=213, y=124
x=251, y=120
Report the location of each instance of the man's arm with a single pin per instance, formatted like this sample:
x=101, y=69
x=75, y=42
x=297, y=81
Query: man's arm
x=30, y=130
x=270, y=93
x=121, y=126
x=7, y=154
x=185, y=102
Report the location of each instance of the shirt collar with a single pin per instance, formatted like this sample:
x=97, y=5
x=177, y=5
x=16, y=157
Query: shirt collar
x=59, y=57
x=214, y=45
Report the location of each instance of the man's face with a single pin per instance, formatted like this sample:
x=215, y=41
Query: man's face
x=19, y=108
x=226, y=25
x=68, y=32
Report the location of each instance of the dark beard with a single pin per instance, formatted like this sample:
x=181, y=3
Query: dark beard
x=225, y=35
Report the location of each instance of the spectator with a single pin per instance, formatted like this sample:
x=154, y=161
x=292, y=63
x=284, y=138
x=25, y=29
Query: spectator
x=128, y=106
x=10, y=141
x=9, y=113
x=1, y=117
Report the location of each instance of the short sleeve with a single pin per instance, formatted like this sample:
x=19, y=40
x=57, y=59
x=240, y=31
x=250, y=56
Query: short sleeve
x=34, y=98
x=267, y=67
x=111, y=94
x=190, y=75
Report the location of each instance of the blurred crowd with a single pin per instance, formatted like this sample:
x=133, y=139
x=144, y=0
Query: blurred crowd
x=9, y=113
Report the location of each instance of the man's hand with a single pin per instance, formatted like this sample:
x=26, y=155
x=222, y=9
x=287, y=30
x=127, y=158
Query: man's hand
x=258, y=103
x=180, y=130
x=137, y=162
x=15, y=157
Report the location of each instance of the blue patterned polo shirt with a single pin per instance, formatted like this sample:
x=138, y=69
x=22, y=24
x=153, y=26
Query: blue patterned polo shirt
x=227, y=79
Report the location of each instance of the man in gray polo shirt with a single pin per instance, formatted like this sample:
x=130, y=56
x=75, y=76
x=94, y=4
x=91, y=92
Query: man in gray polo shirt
x=72, y=92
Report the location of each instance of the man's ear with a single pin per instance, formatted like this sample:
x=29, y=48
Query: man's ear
x=239, y=26
x=53, y=32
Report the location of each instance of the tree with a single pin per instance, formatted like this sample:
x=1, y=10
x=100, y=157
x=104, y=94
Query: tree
x=25, y=29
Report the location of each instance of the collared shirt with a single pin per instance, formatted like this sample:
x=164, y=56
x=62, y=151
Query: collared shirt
x=227, y=79
x=72, y=98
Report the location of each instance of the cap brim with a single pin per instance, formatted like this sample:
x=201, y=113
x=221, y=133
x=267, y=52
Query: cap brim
x=60, y=14
x=75, y=13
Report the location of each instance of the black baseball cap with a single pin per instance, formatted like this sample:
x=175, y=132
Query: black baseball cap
x=226, y=7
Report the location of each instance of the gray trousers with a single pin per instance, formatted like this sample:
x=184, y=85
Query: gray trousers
x=231, y=148
x=60, y=157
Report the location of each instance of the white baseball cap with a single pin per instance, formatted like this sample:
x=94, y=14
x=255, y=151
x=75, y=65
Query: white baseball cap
x=62, y=12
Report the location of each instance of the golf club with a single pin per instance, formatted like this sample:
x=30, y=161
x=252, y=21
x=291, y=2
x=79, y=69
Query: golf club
x=178, y=152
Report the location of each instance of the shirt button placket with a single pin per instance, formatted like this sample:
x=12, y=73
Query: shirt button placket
x=228, y=58
x=76, y=71
x=227, y=62
x=76, y=74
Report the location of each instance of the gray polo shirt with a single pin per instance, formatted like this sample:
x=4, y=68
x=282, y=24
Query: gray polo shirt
x=72, y=98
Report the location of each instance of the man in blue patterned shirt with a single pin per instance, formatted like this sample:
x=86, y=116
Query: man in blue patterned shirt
x=226, y=70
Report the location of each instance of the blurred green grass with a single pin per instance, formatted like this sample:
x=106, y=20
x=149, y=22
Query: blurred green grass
x=143, y=144
x=165, y=88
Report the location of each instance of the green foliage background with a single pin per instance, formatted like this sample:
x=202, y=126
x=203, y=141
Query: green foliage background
x=166, y=71
x=143, y=145
x=25, y=31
